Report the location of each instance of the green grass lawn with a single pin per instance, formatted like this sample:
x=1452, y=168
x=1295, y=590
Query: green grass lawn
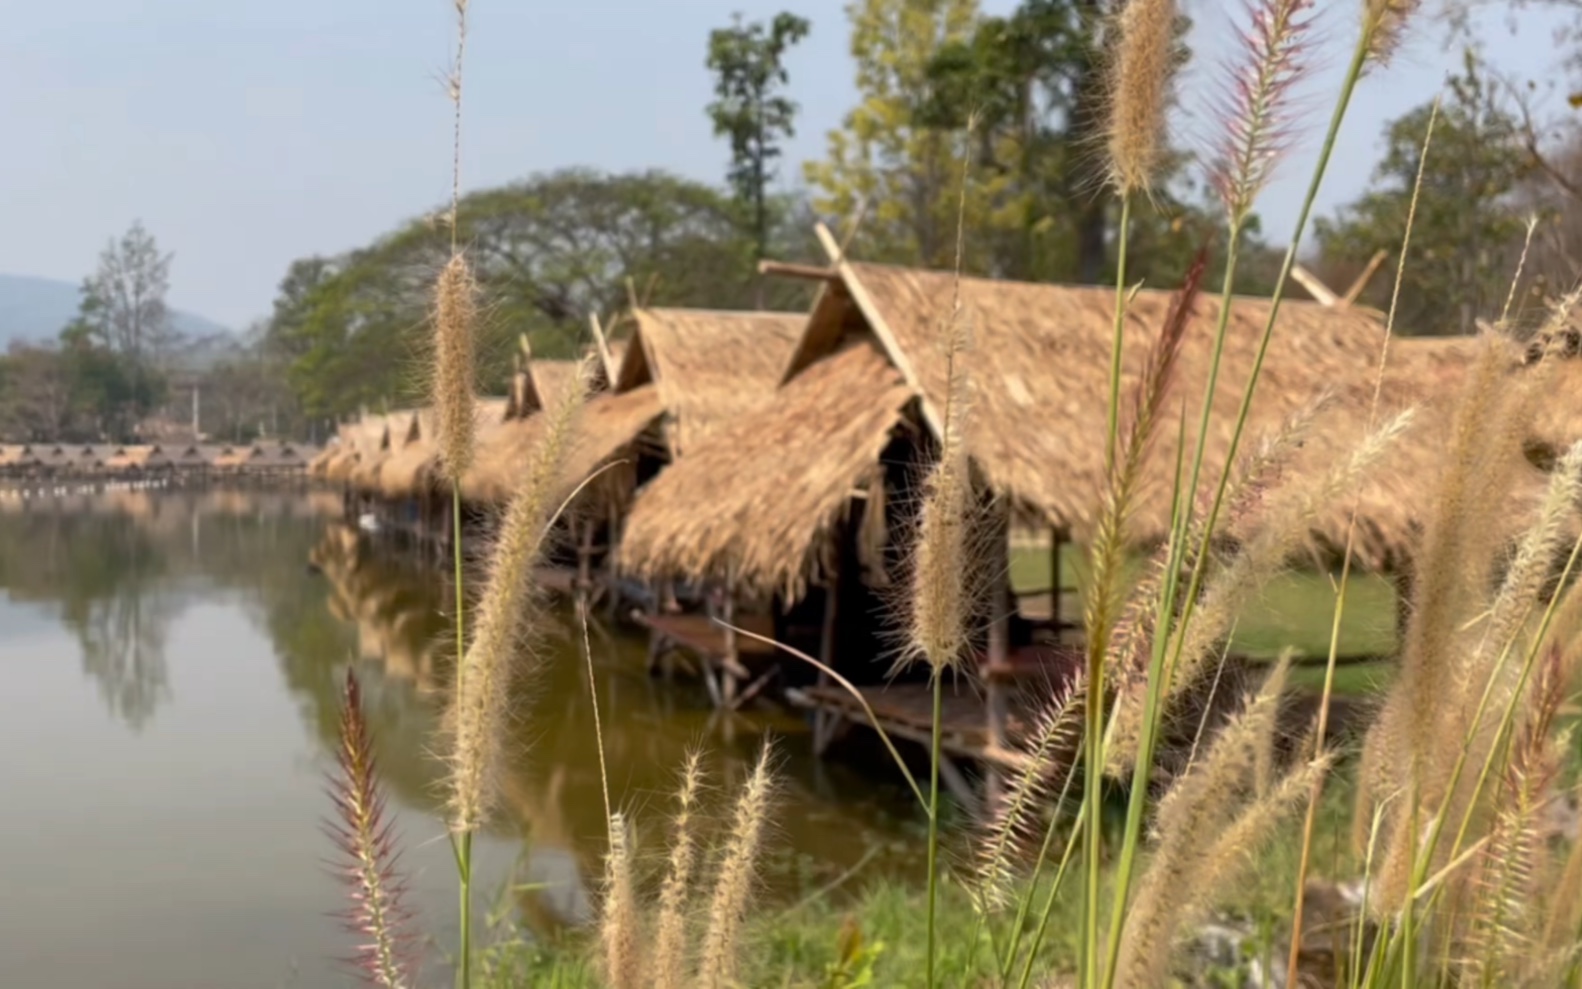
x=1296, y=610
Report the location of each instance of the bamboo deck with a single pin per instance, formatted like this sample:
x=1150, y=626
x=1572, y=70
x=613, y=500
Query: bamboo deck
x=734, y=672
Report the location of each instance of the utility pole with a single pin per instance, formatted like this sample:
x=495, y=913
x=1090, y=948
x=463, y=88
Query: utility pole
x=196, y=436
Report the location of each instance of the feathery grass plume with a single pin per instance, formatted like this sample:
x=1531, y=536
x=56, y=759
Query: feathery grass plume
x=670, y=940
x=1139, y=83
x=1106, y=616
x=455, y=319
x=1526, y=579
x=619, y=920
x=1452, y=708
x=1458, y=531
x=734, y=884
x=1445, y=675
x=942, y=588
x=1282, y=527
x=1056, y=734
x=1505, y=888
x=1255, y=123
x=1105, y=582
x=1254, y=475
x=364, y=835
x=504, y=617
x=1203, y=801
x=1384, y=25
x=1563, y=929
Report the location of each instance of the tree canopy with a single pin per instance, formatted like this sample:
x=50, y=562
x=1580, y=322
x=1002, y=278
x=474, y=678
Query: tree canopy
x=1470, y=222
x=547, y=251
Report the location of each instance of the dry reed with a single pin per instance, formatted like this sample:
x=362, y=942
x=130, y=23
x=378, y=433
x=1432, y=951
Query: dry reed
x=670, y=938
x=505, y=616
x=364, y=834
x=1139, y=87
x=734, y=884
x=1208, y=823
x=455, y=318
x=1255, y=124
x=1011, y=827
x=1384, y=24
x=618, y=926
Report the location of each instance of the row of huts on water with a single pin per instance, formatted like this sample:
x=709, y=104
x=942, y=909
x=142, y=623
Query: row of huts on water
x=102, y=461
x=766, y=466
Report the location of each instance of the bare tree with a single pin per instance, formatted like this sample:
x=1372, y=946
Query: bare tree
x=123, y=302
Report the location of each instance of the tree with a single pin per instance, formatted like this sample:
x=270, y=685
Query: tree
x=123, y=301
x=887, y=155
x=35, y=395
x=547, y=251
x=1032, y=83
x=121, y=331
x=1468, y=227
x=750, y=110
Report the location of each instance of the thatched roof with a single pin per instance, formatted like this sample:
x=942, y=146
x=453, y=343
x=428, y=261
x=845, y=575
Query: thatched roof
x=605, y=424
x=755, y=499
x=128, y=458
x=1038, y=369
x=361, y=443
x=710, y=366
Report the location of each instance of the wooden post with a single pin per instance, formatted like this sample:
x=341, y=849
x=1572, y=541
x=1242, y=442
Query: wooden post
x=732, y=662
x=1056, y=542
x=823, y=722
x=612, y=536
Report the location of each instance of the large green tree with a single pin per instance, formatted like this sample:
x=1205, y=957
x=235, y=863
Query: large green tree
x=1469, y=225
x=548, y=251
x=751, y=110
x=888, y=156
x=1027, y=88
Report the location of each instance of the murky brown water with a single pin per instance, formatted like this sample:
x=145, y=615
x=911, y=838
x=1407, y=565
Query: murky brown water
x=171, y=673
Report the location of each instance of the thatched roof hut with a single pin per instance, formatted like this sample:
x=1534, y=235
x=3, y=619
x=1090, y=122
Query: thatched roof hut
x=1037, y=372
x=358, y=441
x=606, y=424
x=373, y=452
x=125, y=458
x=755, y=499
x=412, y=467
x=710, y=366
x=231, y=458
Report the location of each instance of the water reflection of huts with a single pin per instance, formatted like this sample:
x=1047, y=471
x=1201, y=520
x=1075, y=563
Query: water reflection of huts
x=772, y=462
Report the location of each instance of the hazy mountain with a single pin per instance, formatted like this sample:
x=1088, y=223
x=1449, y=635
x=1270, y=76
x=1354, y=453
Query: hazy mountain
x=33, y=310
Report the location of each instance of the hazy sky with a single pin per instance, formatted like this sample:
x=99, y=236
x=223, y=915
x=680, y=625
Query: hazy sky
x=247, y=133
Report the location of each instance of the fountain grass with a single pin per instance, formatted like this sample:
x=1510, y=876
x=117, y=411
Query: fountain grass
x=1464, y=885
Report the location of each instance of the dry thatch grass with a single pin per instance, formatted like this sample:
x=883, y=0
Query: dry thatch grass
x=710, y=366
x=606, y=424
x=359, y=440
x=1040, y=353
x=754, y=500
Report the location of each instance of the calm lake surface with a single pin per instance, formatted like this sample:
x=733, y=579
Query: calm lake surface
x=172, y=687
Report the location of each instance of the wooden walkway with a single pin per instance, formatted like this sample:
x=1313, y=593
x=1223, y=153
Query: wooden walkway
x=735, y=669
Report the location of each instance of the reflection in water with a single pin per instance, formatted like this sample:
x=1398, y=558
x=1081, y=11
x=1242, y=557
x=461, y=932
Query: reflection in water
x=552, y=794
x=110, y=566
x=216, y=630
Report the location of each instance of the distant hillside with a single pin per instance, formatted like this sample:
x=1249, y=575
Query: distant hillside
x=33, y=310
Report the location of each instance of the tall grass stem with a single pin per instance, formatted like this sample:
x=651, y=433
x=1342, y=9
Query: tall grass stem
x=1140, y=780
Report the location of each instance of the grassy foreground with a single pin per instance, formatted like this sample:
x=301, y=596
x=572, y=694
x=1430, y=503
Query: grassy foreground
x=866, y=933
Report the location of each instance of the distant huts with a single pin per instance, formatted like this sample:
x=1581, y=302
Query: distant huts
x=90, y=463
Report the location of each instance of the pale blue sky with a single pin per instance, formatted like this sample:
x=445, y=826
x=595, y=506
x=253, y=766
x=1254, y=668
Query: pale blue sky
x=246, y=134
